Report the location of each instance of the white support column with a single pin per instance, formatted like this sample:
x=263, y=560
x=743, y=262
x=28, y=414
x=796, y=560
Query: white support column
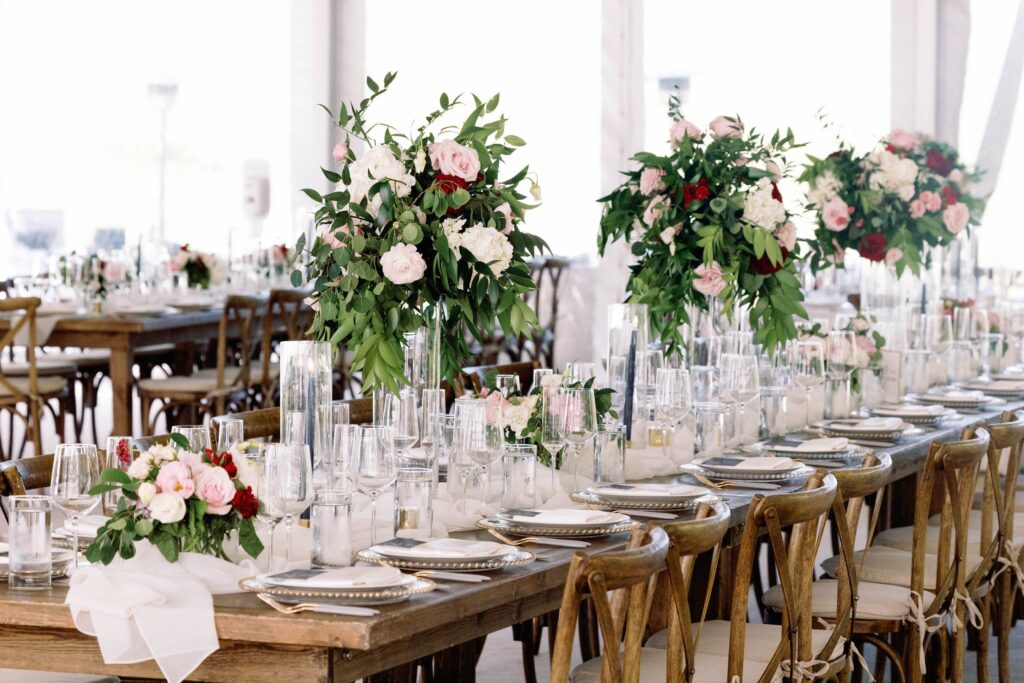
x=914, y=58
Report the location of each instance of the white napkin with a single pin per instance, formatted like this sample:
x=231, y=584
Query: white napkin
x=148, y=608
x=44, y=327
x=959, y=395
x=766, y=463
x=345, y=577
x=875, y=424
x=568, y=517
x=88, y=525
x=911, y=410
x=648, y=490
x=454, y=548
x=829, y=445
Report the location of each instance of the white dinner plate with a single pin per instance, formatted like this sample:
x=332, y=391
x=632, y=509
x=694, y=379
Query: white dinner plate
x=334, y=579
x=521, y=520
x=409, y=551
x=655, y=493
x=722, y=468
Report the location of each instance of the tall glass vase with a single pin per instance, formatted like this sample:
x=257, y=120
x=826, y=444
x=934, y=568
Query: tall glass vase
x=628, y=336
x=882, y=291
x=306, y=397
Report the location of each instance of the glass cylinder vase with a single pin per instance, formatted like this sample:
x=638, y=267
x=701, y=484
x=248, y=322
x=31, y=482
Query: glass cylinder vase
x=306, y=396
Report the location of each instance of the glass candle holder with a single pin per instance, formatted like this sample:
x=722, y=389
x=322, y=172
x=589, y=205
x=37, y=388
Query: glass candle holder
x=518, y=477
x=30, y=555
x=331, y=522
x=414, y=504
x=610, y=457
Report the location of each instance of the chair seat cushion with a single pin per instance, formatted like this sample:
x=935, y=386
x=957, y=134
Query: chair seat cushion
x=892, y=566
x=45, y=385
x=45, y=367
x=902, y=538
x=707, y=669
x=232, y=373
x=974, y=522
x=877, y=600
x=187, y=384
x=759, y=643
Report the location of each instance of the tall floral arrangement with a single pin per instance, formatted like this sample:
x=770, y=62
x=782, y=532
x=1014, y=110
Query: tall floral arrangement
x=909, y=193
x=179, y=501
x=707, y=221
x=868, y=343
x=419, y=228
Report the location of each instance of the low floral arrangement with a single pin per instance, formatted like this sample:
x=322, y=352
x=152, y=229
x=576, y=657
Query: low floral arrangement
x=180, y=502
x=707, y=221
x=522, y=415
x=909, y=193
x=867, y=343
x=105, y=274
x=278, y=256
x=201, y=268
x=993, y=319
x=420, y=229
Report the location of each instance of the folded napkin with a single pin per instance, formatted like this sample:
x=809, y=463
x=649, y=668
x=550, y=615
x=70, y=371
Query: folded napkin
x=958, y=394
x=830, y=445
x=45, y=322
x=568, y=517
x=88, y=525
x=911, y=410
x=875, y=424
x=766, y=463
x=149, y=608
x=345, y=577
x=453, y=548
x=672, y=490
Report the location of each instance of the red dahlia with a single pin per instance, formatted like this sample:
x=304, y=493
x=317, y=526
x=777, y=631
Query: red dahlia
x=449, y=183
x=872, y=246
x=224, y=460
x=776, y=195
x=764, y=265
x=245, y=502
x=950, y=194
x=939, y=162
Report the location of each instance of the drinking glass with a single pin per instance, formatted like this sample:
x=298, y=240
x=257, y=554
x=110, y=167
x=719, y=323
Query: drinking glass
x=484, y=437
x=991, y=345
x=76, y=470
x=840, y=362
x=433, y=406
x=341, y=413
x=459, y=460
x=414, y=502
x=118, y=456
x=330, y=518
x=518, y=477
x=776, y=378
x=707, y=351
x=709, y=429
x=230, y=434
x=610, y=456
x=577, y=424
x=294, y=427
x=617, y=381
x=444, y=444
x=269, y=512
x=673, y=396
x=578, y=372
x=507, y=385
x=706, y=385
x=740, y=376
x=344, y=444
x=375, y=468
x=550, y=435
x=538, y=377
x=290, y=478
x=383, y=400
x=916, y=370
x=405, y=423
x=809, y=369
x=30, y=556
x=198, y=436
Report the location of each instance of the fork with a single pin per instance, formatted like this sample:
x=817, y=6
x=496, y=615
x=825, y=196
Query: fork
x=727, y=484
x=344, y=610
x=561, y=542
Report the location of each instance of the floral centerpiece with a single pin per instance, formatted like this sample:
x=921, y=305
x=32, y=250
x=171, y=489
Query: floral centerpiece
x=420, y=229
x=201, y=268
x=707, y=221
x=179, y=501
x=278, y=256
x=909, y=193
x=867, y=344
x=105, y=274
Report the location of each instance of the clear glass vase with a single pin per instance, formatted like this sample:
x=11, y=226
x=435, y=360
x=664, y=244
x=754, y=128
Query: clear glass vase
x=306, y=397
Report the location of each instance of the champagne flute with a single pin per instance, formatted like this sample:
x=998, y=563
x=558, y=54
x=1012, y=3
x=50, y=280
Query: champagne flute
x=459, y=459
x=578, y=423
x=405, y=425
x=673, y=398
x=809, y=370
x=550, y=436
x=344, y=443
x=268, y=512
x=198, y=436
x=76, y=470
x=230, y=434
x=118, y=456
x=375, y=468
x=291, y=484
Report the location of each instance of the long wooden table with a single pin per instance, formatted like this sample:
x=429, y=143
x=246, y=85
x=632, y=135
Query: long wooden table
x=259, y=644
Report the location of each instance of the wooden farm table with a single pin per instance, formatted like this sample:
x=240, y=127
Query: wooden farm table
x=258, y=644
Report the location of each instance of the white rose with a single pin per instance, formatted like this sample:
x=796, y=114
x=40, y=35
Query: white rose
x=535, y=191
x=861, y=325
x=375, y=165
x=159, y=454
x=247, y=473
x=892, y=173
x=823, y=189
x=452, y=226
x=167, y=508
x=146, y=492
x=489, y=246
x=762, y=209
x=139, y=469
x=420, y=162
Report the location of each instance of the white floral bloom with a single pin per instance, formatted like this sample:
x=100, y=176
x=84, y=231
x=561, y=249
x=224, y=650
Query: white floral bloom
x=488, y=245
x=139, y=469
x=516, y=414
x=861, y=325
x=378, y=163
x=146, y=492
x=159, y=454
x=761, y=209
x=247, y=472
x=892, y=173
x=823, y=189
x=420, y=162
x=452, y=226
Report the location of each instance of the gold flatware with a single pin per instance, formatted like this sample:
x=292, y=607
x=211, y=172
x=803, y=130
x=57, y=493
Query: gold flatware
x=344, y=610
x=559, y=542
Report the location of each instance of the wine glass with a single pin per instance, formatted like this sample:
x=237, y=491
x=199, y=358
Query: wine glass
x=375, y=468
x=76, y=470
x=433, y=407
x=483, y=435
x=405, y=424
x=840, y=362
x=507, y=385
x=118, y=456
x=578, y=423
x=538, y=376
x=344, y=443
x=230, y=434
x=341, y=413
x=290, y=478
x=578, y=372
x=268, y=512
x=809, y=369
x=550, y=435
x=198, y=436
x=459, y=460
x=673, y=398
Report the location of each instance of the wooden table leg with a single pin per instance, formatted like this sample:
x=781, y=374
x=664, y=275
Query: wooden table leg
x=458, y=663
x=122, y=360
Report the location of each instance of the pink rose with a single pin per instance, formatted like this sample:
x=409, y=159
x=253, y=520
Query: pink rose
x=932, y=201
x=189, y=459
x=904, y=139
x=330, y=236
x=650, y=180
x=774, y=169
x=680, y=129
x=506, y=211
x=494, y=403
x=786, y=235
x=655, y=208
x=340, y=151
x=403, y=264
x=451, y=158
x=175, y=477
x=916, y=208
x=956, y=176
x=955, y=217
x=709, y=281
x=893, y=255
x=741, y=161
x=216, y=488
x=668, y=235
x=865, y=344
x=723, y=127
x=836, y=215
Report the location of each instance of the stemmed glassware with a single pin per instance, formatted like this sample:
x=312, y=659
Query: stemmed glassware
x=118, y=456
x=198, y=436
x=288, y=469
x=344, y=443
x=809, y=370
x=507, y=385
x=375, y=468
x=459, y=461
x=578, y=423
x=776, y=377
x=405, y=422
x=484, y=438
x=578, y=372
x=76, y=470
x=230, y=433
x=550, y=433
x=740, y=385
x=673, y=399
x=839, y=365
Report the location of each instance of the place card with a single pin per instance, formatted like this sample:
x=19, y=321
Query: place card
x=403, y=542
x=516, y=512
x=297, y=574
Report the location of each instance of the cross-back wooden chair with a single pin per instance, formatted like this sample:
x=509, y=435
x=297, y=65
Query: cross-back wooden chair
x=209, y=391
x=27, y=397
x=477, y=374
x=540, y=344
x=18, y=477
x=597, y=576
x=937, y=581
x=142, y=443
x=289, y=308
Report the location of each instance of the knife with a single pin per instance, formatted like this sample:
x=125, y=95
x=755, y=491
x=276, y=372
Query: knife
x=453, y=576
x=346, y=610
x=875, y=444
x=647, y=513
x=753, y=485
x=560, y=542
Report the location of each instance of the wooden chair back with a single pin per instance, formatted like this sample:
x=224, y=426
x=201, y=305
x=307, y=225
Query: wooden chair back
x=523, y=370
x=266, y=422
x=999, y=494
x=23, y=393
x=597, y=576
x=687, y=540
x=142, y=443
x=288, y=307
x=18, y=477
x=547, y=275
x=803, y=513
x=240, y=322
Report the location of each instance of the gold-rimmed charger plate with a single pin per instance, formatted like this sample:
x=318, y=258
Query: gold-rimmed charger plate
x=590, y=498
x=516, y=559
x=590, y=531
x=369, y=596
